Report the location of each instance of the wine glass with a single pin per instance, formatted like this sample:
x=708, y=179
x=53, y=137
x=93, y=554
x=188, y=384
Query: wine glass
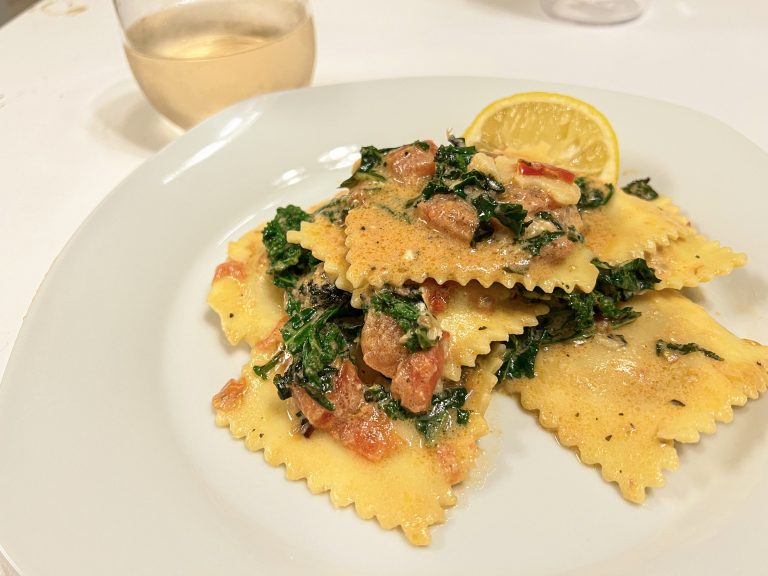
x=192, y=58
x=595, y=11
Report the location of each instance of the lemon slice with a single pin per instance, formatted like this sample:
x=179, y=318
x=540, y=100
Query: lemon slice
x=552, y=128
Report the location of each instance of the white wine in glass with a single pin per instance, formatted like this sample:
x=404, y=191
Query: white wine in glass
x=192, y=59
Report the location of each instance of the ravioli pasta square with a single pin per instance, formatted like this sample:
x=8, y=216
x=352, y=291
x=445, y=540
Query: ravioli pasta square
x=627, y=227
x=409, y=489
x=384, y=248
x=692, y=260
x=623, y=402
x=476, y=317
x=380, y=321
x=326, y=240
x=242, y=294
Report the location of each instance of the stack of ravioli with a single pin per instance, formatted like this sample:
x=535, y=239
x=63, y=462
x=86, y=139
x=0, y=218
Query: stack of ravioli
x=621, y=396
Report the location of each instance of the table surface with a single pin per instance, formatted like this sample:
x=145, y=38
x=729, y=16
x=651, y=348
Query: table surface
x=73, y=123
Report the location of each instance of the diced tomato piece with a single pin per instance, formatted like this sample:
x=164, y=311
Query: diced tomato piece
x=360, y=426
x=527, y=168
x=230, y=269
x=455, y=460
x=417, y=376
x=435, y=296
x=230, y=395
x=274, y=338
x=380, y=343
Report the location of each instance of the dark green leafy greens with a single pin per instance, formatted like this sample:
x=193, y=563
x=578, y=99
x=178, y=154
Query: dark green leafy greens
x=623, y=281
x=321, y=327
x=370, y=159
x=575, y=316
x=593, y=193
x=666, y=349
x=406, y=310
x=642, y=189
x=534, y=244
x=429, y=423
x=287, y=262
x=336, y=210
x=520, y=354
x=452, y=175
x=510, y=215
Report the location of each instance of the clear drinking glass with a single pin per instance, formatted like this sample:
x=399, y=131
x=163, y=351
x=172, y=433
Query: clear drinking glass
x=595, y=11
x=192, y=58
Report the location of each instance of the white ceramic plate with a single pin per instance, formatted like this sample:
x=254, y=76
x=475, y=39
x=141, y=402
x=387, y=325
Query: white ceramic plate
x=110, y=462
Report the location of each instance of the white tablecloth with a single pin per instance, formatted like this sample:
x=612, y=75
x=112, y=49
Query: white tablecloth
x=73, y=123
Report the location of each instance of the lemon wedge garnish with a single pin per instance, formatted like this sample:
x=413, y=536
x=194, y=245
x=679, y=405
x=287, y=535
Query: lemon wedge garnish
x=552, y=128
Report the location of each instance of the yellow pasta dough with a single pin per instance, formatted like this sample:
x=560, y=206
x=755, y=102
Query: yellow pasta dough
x=476, y=317
x=242, y=294
x=622, y=407
x=627, y=227
x=384, y=248
x=326, y=241
x=371, y=373
x=409, y=489
x=692, y=260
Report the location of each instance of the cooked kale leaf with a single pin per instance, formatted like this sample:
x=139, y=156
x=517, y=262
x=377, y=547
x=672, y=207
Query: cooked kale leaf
x=666, y=348
x=623, y=281
x=314, y=343
x=510, y=215
x=370, y=159
x=642, y=189
x=534, y=244
x=263, y=371
x=570, y=231
x=287, y=262
x=322, y=326
x=407, y=312
x=336, y=210
x=452, y=175
x=593, y=193
x=520, y=355
x=429, y=423
x=574, y=316
x=451, y=161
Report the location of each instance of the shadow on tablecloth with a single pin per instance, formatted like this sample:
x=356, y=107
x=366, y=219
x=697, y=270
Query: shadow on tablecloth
x=122, y=117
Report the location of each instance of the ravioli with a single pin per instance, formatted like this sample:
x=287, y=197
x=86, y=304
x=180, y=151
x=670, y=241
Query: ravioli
x=409, y=489
x=475, y=317
x=372, y=367
x=387, y=248
x=242, y=294
x=623, y=406
x=627, y=227
x=692, y=260
x=326, y=241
